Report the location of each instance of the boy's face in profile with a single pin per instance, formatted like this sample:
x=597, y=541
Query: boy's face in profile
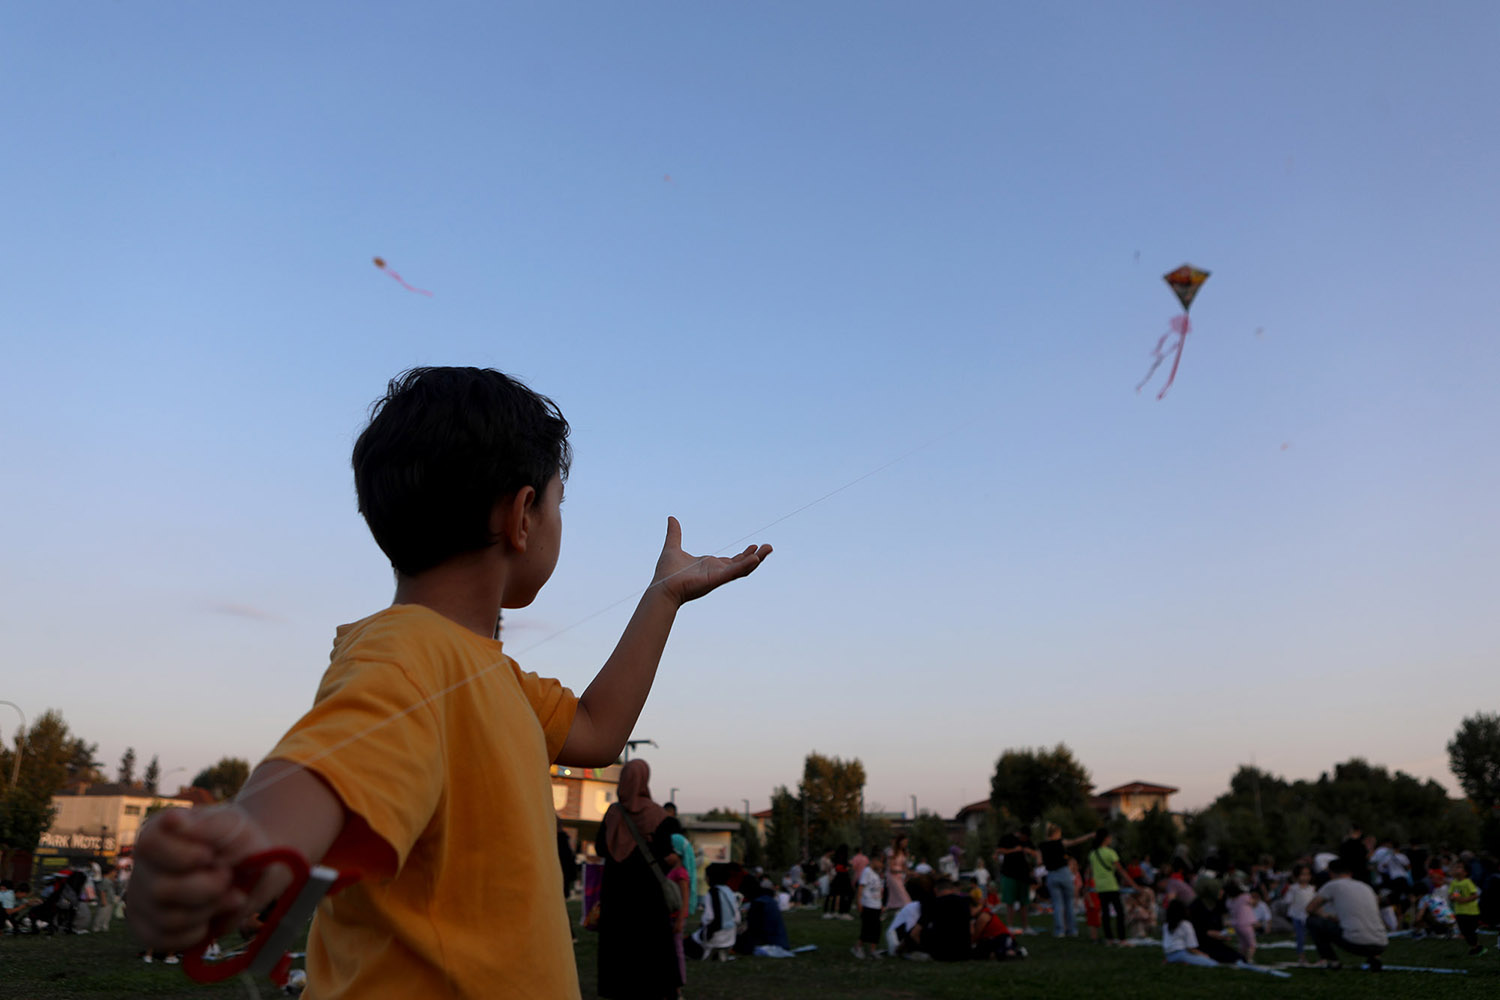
x=533, y=567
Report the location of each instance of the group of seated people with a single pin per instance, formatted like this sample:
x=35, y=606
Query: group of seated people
x=55, y=906
x=949, y=922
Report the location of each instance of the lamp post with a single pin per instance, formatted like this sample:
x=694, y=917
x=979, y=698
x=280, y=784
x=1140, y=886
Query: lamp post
x=15, y=767
x=161, y=781
x=747, y=809
x=632, y=744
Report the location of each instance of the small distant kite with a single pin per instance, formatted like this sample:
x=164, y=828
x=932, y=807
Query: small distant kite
x=1185, y=282
x=380, y=263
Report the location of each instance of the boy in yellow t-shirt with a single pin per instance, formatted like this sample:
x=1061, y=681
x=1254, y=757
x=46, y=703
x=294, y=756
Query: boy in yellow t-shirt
x=1463, y=896
x=422, y=764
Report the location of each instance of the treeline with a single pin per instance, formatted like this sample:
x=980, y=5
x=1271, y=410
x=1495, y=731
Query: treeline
x=1260, y=813
x=49, y=757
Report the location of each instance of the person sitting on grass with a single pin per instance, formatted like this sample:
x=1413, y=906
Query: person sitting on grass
x=901, y=936
x=1179, y=941
x=1207, y=915
x=1140, y=912
x=988, y=935
x=1435, y=911
x=1345, y=913
x=945, y=930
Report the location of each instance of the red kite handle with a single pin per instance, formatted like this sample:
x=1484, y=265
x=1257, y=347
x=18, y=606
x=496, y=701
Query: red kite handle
x=246, y=874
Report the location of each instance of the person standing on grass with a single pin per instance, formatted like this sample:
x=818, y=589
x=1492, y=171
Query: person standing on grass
x=897, y=860
x=1108, y=873
x=638, y=942
x=1463, y=896
x=1346, y=913
x=1017, y=857
x=108, y=897
x=857, y=869
x=1060, y=879
x=1355, y=855
x=1298, y=895
x=840, y=888
x=871, y=899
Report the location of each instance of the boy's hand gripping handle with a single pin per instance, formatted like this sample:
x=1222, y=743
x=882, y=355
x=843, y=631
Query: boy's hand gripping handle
x=266, y=953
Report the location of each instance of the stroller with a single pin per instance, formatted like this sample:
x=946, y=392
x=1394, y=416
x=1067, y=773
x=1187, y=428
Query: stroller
x=61, y=892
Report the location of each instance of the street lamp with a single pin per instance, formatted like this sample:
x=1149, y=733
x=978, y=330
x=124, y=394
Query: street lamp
x=15, y=767
x=747, y=809
x=632, y=744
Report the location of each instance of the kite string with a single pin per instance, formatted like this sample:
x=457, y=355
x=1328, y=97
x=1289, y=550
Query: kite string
x=464, y=681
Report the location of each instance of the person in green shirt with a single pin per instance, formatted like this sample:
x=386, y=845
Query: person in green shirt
x=1108, y=872
x=1463, y=894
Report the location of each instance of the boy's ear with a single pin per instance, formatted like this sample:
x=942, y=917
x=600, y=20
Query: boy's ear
x=510, y=518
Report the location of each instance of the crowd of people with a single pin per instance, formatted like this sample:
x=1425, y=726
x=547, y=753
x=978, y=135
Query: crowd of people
x=66, y=901
x=1336, y=903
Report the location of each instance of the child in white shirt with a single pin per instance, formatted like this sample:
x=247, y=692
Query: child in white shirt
x=871, y=902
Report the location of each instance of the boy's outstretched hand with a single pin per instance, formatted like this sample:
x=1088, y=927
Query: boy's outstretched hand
x=686, y=577
x=183, y=883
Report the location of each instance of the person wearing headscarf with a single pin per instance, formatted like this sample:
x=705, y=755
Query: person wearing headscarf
x=637, y=936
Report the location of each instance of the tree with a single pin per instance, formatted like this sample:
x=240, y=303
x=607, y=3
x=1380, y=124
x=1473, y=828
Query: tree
x=1474, y=756
x=784, y=831
x=1262, y=813
x=1027, y=783
x=49, y=754
x=126, y=774
x=153, y=775
x=224, y=779
x=928, y=840
x=1156, y=836
x=831, y=792
x=82, y=763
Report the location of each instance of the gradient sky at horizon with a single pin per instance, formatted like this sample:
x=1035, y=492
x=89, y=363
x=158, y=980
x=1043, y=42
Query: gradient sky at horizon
x=934, y=231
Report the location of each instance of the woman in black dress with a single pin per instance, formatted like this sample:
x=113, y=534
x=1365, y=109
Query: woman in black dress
x=637, y=939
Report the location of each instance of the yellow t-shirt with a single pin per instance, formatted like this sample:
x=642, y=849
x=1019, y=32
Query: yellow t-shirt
x=447, y=767
x=1464, y=887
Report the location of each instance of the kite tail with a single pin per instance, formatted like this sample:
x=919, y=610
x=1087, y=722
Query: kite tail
x=407, y=285
x=1156, y=352
x=1180, y=326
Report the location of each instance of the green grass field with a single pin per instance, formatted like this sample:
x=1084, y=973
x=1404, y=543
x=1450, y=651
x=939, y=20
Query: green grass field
x=108, y=966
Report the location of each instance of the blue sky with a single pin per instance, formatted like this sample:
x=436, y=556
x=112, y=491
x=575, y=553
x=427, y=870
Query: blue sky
x=923, y=230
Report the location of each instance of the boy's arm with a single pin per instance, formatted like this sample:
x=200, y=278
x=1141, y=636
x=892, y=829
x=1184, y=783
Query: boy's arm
x=608, y=709
x=183, y=886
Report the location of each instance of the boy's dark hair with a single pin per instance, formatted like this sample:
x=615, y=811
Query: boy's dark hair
x=1177, y=912
x=1337, y=867
x=443, y=446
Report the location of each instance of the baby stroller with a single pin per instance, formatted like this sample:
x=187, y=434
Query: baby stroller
x=61, y=892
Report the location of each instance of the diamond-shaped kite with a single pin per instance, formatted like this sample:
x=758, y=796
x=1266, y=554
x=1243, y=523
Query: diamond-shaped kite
x=1185, y=282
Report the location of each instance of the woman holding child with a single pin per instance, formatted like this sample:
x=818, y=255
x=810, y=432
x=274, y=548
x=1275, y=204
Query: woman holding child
x=638, y=937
